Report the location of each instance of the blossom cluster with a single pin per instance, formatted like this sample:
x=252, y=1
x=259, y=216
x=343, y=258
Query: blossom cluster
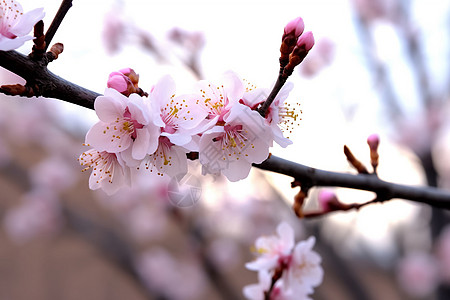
x=219, y=121
x=285, y=271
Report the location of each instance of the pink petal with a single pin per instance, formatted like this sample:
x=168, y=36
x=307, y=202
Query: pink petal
x=27, y=21
x=141, y=144
x=103, y=137
x=108, y=109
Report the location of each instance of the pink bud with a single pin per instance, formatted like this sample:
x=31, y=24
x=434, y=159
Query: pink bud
x=373, y=141
x=306, y=41
x=295, y=26
x=328, y=200
x=118, y=81
x=126, y=71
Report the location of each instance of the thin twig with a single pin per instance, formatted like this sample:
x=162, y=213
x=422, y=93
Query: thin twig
x=62, y=11
x=276, y=89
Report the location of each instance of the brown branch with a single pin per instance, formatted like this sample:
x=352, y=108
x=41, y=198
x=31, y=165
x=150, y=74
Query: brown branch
x=60, y=14
x=50, y=85
x=366, y=182
x=281, y=80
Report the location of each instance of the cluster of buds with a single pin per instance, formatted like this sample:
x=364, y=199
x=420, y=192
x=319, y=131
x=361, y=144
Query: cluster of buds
x=295, y=45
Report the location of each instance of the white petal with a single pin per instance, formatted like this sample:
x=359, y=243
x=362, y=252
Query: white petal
x=7, y=44
x=286, y=234
x=177, y=162
x=178, y=138
x=138, y=110
x=141, y=144
x=104, y=137
x=27, y=21
x=237, y=170
x=233, y=86
x=278, y=136
x=108, y=109
x=163, y=90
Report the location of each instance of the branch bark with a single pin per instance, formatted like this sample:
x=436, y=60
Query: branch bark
x=50, y=85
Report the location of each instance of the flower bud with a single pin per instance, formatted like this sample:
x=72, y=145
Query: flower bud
x=130, y=73
x=306, y=41
x=328, y=201
x=373, y=141
x=119, y=82
x=294, y=27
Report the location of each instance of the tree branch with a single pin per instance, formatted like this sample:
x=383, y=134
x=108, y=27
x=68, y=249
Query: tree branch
x=62, y=11
x=53, y=86
x=367, y=182
x=50, y=85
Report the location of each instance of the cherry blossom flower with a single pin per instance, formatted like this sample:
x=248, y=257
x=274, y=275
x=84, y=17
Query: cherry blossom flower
x=108, y=171
x=38, y=215
x=297, y=269
x=179, y=119
x=273, y=249
x=217, y=100
x=256, y=291
x=124, y=123
x=282, y=117
x=15, y=25
x=242, y=138
x=304, y=268
x=417, y=274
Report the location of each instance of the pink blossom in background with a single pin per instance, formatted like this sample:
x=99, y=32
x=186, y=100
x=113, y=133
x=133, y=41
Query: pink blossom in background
x=114, y=30
x=256, y=291
x=225, y=252
x=417, y=274
x=274, y=249
x=304, y=271
x=15, y=25
x=174, y=278
x=38, y=215
x=443, y=254
x=299, y=265
x=5, y=153
x=319, y=59
x=54, y=174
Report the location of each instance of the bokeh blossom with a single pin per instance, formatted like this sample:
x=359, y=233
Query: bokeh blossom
x=295, y=269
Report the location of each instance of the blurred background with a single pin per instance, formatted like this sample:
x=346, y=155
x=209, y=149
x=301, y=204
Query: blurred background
x=378, y=66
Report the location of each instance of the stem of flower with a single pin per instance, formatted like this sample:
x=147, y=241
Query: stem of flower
x=281, y=80
x=62, y=11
